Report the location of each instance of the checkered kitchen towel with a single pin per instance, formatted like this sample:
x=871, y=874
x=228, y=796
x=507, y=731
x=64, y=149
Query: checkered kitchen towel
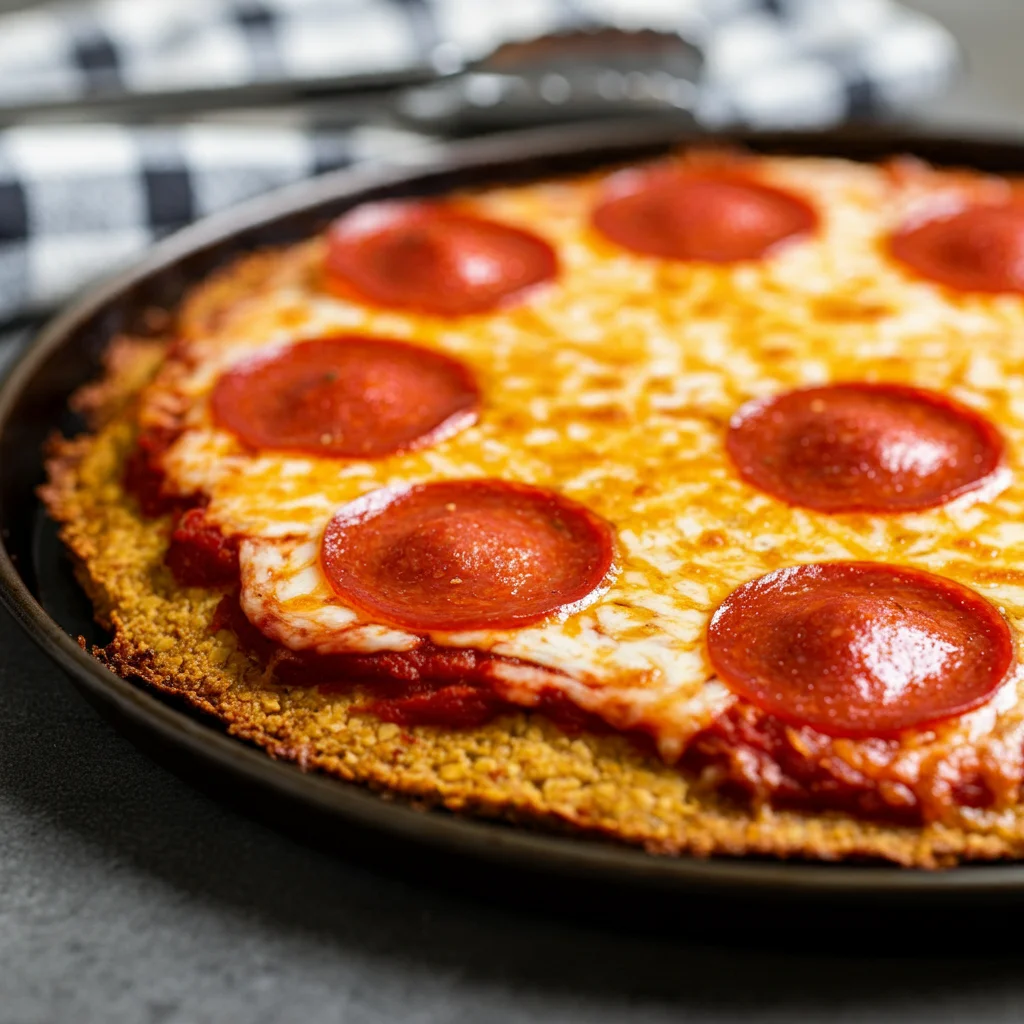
x=78, y=200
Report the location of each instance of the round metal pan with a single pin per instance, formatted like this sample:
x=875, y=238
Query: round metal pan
x=38, y=588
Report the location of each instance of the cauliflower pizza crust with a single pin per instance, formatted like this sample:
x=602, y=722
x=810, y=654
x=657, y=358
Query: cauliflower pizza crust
x=679, y=505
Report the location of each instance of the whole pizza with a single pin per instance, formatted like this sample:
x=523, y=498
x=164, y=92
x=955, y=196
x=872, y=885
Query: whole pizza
x=680, y=505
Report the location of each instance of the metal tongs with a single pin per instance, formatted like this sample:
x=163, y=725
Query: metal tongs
x=562, y=76
x=566, y=76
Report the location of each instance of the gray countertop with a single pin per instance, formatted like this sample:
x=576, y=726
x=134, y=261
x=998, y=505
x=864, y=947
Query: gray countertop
x=125, y=895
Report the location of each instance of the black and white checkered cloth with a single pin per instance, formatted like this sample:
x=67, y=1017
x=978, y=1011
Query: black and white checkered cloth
x=78, y=200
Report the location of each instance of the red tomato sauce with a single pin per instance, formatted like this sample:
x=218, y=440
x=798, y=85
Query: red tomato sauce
x=199, y=554
x=144, y=475
x=430, y=685
x=755, y=757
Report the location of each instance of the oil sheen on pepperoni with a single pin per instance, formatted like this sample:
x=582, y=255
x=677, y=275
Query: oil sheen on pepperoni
x=463, y=555
x=859, y=648
x=346, y=397
x=433, y=259
x=976, y=249
x=863, y=448
x=716, y=218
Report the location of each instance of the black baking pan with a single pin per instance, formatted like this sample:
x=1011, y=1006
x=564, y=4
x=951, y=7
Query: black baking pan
x=38, y=587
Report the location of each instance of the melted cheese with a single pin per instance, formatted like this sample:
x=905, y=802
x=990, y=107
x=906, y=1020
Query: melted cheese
x=614, y=385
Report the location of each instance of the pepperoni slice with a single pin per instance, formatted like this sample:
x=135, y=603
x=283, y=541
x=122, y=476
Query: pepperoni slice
x=346, y=397
x=717, y=218
x=863, y=448
x=434, y=259
x=470, y=554
x=859, y=648
x=976, y=249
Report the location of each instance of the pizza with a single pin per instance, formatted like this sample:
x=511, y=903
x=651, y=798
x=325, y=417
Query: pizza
x=678, y=505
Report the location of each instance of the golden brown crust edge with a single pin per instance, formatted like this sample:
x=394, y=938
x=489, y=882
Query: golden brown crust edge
x=520, y=767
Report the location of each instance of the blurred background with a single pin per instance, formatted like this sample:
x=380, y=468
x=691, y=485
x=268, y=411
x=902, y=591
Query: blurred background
x=122, y=120
x=989, y=93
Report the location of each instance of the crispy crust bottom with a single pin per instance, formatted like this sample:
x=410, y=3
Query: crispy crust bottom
x=519, y=767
